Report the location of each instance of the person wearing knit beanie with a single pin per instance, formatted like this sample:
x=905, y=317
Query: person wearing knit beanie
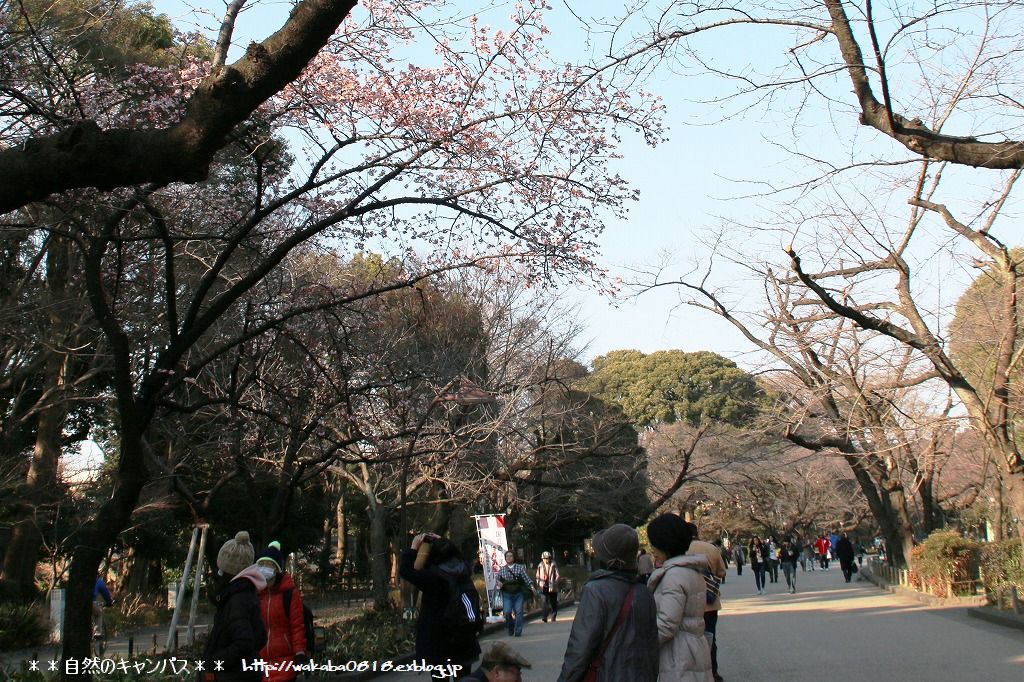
x=235, y=555
x=287, y=649
x=616, y=547
x=274, y=555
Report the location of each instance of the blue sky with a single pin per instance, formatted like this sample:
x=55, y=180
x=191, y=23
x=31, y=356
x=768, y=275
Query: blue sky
x=689, y=185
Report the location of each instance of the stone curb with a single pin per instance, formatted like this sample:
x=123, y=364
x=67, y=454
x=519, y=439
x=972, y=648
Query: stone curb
x=998, y=617
x=408, y=658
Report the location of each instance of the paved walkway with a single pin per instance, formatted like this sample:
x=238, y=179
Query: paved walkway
x=829, y=630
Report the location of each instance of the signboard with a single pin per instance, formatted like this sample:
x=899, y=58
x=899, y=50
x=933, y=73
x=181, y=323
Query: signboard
x=490, y=530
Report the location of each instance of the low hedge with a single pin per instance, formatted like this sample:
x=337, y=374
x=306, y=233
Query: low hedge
x=1001, y=566
x=374, y=636
x=945, y=563
x=23, y=626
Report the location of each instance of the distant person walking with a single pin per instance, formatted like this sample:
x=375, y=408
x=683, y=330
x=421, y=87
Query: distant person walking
x=547, y=582
x=758, y=562
x=740, y=557
x=808, y=556
x=680, y=593
x=845, y=553
x=788, y=556
x=773, y=559
x=614, y=635
x=822, y=546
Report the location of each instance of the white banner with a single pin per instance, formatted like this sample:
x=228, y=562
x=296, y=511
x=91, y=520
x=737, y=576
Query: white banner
x=490, y=530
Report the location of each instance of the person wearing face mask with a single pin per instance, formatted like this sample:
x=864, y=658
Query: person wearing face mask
x=281, y=611
x=237, y=634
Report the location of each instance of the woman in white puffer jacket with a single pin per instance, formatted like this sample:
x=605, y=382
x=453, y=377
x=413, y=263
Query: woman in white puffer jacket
x=679, y=592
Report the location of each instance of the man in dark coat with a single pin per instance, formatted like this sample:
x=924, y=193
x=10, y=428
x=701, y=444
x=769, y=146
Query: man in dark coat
x=844, y=552
x=434, y=564
x=631, y=654
x=238, y=633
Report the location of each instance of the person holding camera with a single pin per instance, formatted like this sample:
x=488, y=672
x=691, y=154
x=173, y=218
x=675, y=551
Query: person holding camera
x=514, y=583
x=449, y=621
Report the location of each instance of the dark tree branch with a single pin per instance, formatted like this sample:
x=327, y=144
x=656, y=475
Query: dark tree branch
x=83, y=155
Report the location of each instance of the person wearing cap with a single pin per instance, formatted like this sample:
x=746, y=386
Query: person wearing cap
x=681, y=595
x=547, y=582
x=500, y=663
x=237, y=634
x=615, y=631
x=281, y=611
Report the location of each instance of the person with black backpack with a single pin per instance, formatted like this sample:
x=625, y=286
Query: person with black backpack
x=283, y=616
x=449, y=622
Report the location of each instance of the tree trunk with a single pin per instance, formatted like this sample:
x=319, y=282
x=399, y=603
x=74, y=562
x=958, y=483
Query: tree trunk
x=380, y=570
x=341, y=542
x=998, y=522
x=931, y=514
x=324, y=560
x=890, y=511
x=35, y=506
x=1013, y=487
x=98, y=534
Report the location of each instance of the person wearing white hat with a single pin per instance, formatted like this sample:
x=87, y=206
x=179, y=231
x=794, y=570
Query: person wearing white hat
x=547, y=582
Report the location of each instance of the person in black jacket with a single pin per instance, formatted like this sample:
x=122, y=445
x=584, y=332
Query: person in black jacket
x=844, y=552
x=434, y=564
x=238, y=633
x=789, y=555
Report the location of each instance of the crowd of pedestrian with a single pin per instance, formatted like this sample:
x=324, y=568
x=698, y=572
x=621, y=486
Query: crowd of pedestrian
x=650, y=616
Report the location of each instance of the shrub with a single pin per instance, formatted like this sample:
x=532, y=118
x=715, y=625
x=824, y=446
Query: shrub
x=1000, y=565
x=945, y=562
x=22, y=626
x=376, y=635
x=135, y=612
x=576, y=573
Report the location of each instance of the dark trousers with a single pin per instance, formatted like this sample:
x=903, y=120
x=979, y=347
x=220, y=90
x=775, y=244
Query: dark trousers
x=773, y=570
x=550, y=603
x=824, y=560
x=759, y=570
x=847, y=569
x=739, y=569
x=711, y=627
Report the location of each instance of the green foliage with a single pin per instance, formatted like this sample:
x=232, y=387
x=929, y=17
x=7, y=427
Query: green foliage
x=376, y=635
x=105, y=34
x=671, y=386
x=945, y=561
x=22, y=626
x=1001, y=565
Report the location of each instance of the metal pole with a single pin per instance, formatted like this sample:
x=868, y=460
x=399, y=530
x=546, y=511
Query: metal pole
x=197, y=583
x=181, y=589
x=483, y=550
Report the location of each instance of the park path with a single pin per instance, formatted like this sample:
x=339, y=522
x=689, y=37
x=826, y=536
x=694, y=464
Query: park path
x=829, y=630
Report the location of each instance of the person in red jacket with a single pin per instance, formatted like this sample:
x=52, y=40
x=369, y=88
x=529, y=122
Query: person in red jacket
x=286, y=635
